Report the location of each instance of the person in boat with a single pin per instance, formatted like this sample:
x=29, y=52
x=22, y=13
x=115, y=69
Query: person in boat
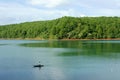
x=39, y=65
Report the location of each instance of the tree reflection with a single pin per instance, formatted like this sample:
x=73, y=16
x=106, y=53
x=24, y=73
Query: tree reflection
x=86, y=48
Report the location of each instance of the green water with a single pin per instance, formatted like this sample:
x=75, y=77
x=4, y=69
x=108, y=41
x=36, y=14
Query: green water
x=62, y=60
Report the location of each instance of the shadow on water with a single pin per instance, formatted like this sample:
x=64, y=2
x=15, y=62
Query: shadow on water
x=106, y=49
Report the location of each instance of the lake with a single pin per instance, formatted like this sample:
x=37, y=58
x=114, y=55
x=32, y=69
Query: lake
x=62, y=60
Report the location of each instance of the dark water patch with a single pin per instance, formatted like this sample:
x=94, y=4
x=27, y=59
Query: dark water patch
x=3, y=44
x=56, y=44
x=90, y=53
x=78, y=48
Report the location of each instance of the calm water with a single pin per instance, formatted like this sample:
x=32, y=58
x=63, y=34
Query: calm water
x=63, y=60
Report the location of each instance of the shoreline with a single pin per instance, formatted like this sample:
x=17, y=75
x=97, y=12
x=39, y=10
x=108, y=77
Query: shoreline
x=93, y=39
x=55, y=39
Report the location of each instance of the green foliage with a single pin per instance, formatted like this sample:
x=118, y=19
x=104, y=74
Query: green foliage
x=65, y=28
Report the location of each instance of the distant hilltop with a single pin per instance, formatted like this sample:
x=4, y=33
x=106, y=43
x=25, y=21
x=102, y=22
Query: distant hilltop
x=64, y=28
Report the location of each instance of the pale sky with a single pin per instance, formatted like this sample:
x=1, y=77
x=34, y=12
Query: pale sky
x=17, y=11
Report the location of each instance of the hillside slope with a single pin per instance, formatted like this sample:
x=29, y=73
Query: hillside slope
x=65, y=28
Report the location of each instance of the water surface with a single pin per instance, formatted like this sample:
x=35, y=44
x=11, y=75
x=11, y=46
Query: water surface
x=63, y=60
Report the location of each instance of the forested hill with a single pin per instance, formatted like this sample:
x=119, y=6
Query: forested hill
x=65, y=28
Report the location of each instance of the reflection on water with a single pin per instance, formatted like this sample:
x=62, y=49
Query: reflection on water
x=62, y=60
x=87, y=48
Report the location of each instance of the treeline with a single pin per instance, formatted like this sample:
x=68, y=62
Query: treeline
x=65, y=28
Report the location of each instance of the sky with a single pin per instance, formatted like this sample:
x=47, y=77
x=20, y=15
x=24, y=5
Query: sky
x=17, y=11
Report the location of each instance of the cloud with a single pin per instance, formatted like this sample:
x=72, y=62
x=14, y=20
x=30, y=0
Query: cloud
x=47, y=3
x=16, y=11
x=113, y=4
x=107, y=12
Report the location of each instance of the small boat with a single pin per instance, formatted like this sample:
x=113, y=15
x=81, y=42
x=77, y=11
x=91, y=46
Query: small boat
x=39, y=65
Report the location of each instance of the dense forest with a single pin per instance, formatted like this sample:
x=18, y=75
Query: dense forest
x=65, y=28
